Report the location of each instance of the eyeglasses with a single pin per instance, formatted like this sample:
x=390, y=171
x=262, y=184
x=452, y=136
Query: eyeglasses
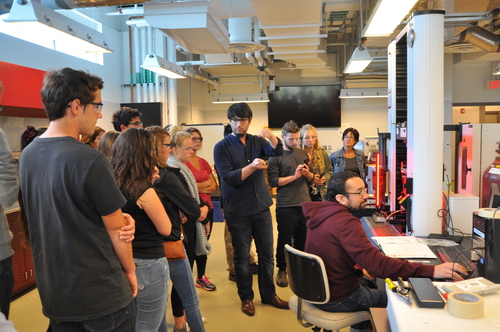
x=240, y=120
x=361, y=193
x=137, y=123
x=167, y=144
x=97, y=106
x=196, y=139
x=349, y=137
x=186, y=147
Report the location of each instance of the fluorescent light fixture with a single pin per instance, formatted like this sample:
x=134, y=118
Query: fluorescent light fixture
x=497, y=71
x=363, y=93
x=386, y=17
x=163, y=67
x=241, y=98
x=37, y=20
x=359, y=60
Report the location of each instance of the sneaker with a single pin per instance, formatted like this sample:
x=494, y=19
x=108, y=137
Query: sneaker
x=205, y=283
x=185, y=328
x=255, y=268
x=281, y=279
x=232, y=276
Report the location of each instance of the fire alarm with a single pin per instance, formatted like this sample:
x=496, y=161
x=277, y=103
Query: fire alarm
x=462, y=110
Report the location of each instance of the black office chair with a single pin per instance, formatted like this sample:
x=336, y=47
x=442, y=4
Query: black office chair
x=308, y=281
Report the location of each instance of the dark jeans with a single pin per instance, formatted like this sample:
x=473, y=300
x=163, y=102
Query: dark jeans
x=123, y=321
x=361, y=299
x=201, y=261
x=291, y=230
x=6, y=285
x=242, y=229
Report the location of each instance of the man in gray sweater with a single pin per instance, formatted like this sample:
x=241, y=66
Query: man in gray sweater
x=290, y=173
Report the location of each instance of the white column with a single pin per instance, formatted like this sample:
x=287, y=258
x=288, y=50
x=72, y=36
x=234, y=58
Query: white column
x=172, y=85
x=391, y=111
x=425, y=119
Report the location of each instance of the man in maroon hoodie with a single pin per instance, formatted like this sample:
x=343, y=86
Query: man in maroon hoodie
x=338, y=237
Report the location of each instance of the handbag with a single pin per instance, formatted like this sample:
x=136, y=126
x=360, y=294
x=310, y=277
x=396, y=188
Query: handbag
x=174, y=250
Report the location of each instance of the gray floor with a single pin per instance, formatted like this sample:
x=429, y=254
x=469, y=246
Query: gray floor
x=221, y=307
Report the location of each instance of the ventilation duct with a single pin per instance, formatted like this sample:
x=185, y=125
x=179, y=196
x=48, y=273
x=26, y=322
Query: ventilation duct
x=482, y=38
x=240, y=36
x=71, y=4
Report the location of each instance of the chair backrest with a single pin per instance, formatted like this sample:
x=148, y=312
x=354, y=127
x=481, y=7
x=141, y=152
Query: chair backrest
x=307, y=276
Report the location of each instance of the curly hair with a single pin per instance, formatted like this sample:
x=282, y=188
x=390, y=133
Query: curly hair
x=123, y=117
x=132, y=162
x=317, y=164
x=158, y=135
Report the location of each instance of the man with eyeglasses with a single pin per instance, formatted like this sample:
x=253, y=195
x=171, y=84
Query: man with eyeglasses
x=84, y=268
x=239, y=163
x=290, y=173
x=338, y=237
x=125, y=118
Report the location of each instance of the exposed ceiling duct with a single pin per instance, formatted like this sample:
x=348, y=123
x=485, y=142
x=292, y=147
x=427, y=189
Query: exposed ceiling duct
x=240, y=36
x=482, y=38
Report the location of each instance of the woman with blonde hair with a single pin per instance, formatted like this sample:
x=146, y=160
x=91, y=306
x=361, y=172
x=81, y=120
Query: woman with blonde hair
x=182, y=209
x=319, y=163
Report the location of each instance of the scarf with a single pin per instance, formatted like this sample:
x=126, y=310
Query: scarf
x=202, y=246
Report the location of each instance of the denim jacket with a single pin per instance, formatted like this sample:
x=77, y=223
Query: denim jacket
x=338, y=161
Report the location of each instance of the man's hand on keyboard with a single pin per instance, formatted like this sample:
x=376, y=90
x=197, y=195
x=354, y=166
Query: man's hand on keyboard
x=449, y=271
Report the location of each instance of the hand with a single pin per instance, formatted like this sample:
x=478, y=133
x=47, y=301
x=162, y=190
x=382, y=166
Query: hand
x=266, y=133
x=183, y=217
x=304, y=170
x=318, y=181
x=207, y=229
x=127, y=232
x=449, y=270
x=258, y=163
x=298, y=171
x=132, y=280
x=203, y=213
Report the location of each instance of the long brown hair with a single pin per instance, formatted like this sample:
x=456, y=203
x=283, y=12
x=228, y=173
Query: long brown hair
x=132, y=162
x=90, y=139
x=106, y=143
x=158, y=135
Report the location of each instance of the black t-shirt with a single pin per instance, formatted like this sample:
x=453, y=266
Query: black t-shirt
x=67, y=186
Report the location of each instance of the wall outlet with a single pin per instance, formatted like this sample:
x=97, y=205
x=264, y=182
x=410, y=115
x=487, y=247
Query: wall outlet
x=329, y=147
x=323, y=147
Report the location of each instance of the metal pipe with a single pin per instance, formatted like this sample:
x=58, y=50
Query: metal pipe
x=137, y=64
x=482, y=38
x=131, y=64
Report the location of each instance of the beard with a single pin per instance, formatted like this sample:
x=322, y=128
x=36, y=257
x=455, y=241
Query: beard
x=291, y=148
x=239, y=134
x=355, y=209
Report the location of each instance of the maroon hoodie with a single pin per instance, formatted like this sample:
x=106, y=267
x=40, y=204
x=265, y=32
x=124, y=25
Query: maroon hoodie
x=338, y=237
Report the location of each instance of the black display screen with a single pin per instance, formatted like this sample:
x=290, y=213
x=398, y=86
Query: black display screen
x=316, y=105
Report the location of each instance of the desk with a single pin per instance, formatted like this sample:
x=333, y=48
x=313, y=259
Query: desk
x=404, y=317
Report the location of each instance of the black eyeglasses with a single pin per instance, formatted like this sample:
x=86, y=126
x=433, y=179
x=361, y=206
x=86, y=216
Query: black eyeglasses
x=363, y=192
x=137, y=123
x=240, y=120
x=167, y=144
x=97, y=107
x=198, y=139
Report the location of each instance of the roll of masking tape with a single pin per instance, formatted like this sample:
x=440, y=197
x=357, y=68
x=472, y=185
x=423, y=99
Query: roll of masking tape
x=489, y=213
x=465, y=305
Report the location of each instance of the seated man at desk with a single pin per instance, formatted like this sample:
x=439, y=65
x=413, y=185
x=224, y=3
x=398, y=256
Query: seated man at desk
x=338, y=237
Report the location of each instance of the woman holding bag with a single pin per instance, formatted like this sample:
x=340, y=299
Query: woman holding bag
x=182, y=209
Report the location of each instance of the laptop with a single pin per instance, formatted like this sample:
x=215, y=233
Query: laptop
x=478, y=286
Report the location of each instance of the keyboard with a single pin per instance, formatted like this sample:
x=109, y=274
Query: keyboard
x=455, y=254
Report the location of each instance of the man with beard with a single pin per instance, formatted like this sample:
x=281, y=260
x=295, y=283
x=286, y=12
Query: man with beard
x=290, y=173
x=238, y=160
x=336, y=236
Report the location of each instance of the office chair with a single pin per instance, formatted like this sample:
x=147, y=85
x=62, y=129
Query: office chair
x=308, y=281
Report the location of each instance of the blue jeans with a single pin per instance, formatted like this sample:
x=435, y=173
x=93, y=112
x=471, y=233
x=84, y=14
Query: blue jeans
x=243, y=228
x=183, y=283
x=151, y=301
x=291, y=230
x=121, y=321
x=361, y=299
x=6, y=285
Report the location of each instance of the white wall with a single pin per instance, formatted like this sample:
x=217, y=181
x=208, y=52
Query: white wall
x=469, y=84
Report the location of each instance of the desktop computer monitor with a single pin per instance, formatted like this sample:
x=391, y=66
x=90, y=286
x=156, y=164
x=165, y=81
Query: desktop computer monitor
x=486, y=243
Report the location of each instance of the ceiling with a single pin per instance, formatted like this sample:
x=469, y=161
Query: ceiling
x=295, y=33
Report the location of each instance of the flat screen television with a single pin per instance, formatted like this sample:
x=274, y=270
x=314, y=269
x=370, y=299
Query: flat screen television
x=313, y=104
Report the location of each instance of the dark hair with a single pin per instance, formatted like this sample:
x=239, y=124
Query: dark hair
x=337, y=184
x=240, y=110
x=89, y=140
x=123, y=117
x=132, y=162
x=62, y=86
x=192, y=130
x=158, y=135
x=106, y=143
x=29, y=134
x=290, y=128
x=353, y=131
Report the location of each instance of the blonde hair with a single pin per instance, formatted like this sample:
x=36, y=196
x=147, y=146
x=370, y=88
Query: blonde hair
x=317, y=164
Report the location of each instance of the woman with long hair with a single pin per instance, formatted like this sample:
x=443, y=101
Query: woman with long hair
x=135, y=173
x=348, y=158
x=319, y=163
x=93, y=140
x=206, y=184
x=106, y=143
x=182, y=209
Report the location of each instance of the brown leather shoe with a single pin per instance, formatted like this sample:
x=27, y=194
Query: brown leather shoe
x=248, y=308
x=277, y=302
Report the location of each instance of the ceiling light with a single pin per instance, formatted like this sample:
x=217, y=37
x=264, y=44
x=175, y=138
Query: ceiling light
x=386, y=16
x=363, y=93
x=497, y=71
x=359, y=60
x=163, y=67
x=37, y=20
x=241, y=98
